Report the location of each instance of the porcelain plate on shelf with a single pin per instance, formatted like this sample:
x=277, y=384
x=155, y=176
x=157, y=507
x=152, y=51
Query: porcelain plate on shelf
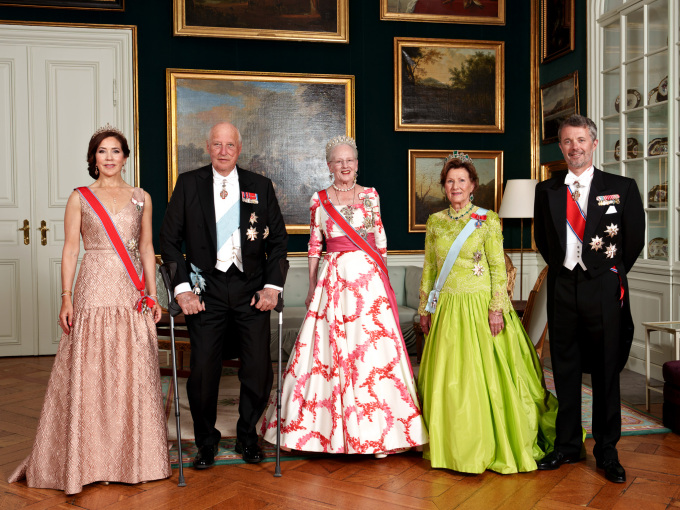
x=633, y=100
x=658, y=248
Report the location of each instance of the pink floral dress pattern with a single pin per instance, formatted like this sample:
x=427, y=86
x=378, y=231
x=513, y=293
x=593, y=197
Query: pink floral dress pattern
x=348, y=386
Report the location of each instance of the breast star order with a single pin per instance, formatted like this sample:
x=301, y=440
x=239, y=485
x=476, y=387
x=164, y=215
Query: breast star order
x=610, y=251
x=251, y=234
x=596, y=243
x=478, y=270
x=265, y=233
x=612, y=230
x=253, y=218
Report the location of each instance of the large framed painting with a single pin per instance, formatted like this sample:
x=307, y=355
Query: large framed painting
x=559, y=100
x=98, y=5
x=285, y=121
x=425, y=195
x=449, y=85
x=480, y=12
x=557, y=28
x=293, y=20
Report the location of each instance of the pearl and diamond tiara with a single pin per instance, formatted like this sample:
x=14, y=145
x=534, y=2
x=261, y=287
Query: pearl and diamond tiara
x=107, y=127
x=339, y=140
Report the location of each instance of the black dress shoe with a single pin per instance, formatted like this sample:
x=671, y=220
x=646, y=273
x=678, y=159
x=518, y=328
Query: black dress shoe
x=205, y=457
x=555, y=459
x=252, y=453
x=613, y=470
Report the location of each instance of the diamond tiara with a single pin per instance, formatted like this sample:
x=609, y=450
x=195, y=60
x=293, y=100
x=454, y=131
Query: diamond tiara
x=458, y=155
x=339, y=140
x=107, y=127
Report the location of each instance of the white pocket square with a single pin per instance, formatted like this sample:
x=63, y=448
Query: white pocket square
x=611, y=210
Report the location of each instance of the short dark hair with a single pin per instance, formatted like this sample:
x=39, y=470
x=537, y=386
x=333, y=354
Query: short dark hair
x=577, y=120
x=457, y=163
x=95, y=141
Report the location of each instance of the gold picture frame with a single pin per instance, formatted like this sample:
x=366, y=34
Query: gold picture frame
x=559, y=100
x=449, y=85
x=299, y=21
x=548, y=168
x=89, y=5
x=484, y=12
x=309, y=109
x=557, y=29
x=424, y=190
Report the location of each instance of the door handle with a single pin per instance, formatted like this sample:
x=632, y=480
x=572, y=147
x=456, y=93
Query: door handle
x=25, y=228
x=43, y=233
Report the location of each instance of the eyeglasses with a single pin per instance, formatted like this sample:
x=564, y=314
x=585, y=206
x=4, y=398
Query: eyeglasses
x=343, y=162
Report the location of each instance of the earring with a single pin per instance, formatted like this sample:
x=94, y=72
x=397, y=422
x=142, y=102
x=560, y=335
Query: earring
x=330, y=177
x=355, y=176
x=96, y=170
x=472, y=197
x=123, y=171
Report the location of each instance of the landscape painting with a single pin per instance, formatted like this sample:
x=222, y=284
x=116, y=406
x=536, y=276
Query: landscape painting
x=559, y=100
x=449, y=85
x=425, y=193
x=285, y=121
x=296, y=20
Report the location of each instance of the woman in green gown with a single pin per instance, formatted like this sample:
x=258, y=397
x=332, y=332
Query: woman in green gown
x=483, y=397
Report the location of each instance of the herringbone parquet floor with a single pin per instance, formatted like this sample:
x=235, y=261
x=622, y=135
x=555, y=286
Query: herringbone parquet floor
x=354, y=482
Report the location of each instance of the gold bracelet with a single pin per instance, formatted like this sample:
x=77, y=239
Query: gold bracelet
x=65, y=294
x=66, y=291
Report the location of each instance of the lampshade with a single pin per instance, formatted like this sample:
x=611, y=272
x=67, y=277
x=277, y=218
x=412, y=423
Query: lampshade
x=518, y=199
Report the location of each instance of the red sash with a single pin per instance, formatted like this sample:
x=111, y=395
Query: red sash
x=372, y=252
x=575, y=217
x=118, y=247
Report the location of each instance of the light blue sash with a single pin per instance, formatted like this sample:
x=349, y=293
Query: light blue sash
x=228, y=224
x=451, y=259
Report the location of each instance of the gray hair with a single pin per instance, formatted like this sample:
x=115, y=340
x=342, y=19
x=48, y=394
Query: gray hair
x=578, y=121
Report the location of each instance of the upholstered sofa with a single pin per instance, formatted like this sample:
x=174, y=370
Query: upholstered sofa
x=405, y=281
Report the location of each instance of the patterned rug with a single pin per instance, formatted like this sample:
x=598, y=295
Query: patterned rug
x=226, y=422
x=633, y=421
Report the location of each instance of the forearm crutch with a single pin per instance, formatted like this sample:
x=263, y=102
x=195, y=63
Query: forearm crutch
x=279, y=308
x=167, y=273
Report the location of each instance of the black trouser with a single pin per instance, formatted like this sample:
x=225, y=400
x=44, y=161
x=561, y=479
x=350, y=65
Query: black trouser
x=228, y=322
x=584, y=318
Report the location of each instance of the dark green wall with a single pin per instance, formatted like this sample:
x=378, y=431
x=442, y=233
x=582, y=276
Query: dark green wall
x=368, y=56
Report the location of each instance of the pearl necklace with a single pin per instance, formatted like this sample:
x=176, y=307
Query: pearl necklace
x=461, y=214
x=345, y=189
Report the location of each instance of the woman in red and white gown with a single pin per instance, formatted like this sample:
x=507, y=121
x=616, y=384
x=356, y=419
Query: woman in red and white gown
x=348, y=386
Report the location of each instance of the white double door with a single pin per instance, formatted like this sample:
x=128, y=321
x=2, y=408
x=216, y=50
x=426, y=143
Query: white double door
x=57, y=86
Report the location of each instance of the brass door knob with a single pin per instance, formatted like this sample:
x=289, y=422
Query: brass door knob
x=43, y=232
x=25, y=228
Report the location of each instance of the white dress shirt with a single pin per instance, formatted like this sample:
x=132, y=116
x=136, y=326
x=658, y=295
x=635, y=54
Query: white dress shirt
x=574, y=253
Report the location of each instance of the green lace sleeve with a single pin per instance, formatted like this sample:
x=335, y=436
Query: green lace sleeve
x=429, y=266
x=493, y=248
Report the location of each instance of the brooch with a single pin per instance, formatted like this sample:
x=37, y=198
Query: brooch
x=610, y=251
x=251, y=234
x=608, y=199
x=612, y=230
x=138, y=205
x=596, y=243
x=266, y=233
x=478, y=270
x=197, y=280
x=133, y=249
x=477, y=256
x=253, y=218
x=249, y=198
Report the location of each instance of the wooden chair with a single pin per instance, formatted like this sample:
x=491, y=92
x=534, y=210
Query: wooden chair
x=535, y=318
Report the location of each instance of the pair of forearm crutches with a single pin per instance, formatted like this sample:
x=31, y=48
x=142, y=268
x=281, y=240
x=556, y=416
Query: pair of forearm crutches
x=167, y=273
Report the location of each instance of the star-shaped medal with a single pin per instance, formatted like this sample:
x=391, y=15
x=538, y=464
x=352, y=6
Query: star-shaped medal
x=477, y=256
x=253, y=218
x=610, y=251
x=266, y=233
x=478, y=270
x=612, y=230
x=596, y=243
x=251, y=234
